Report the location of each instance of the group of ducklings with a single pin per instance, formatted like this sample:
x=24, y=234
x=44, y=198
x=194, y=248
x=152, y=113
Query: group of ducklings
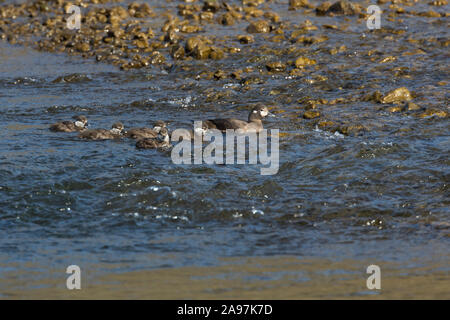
x=158, y=136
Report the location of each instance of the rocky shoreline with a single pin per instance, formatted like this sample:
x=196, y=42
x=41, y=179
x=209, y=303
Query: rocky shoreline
x=132, y=35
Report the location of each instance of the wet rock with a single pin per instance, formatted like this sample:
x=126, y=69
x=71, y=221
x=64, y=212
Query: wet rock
x=193, y=43
x=246, y=39
x=311, y=114
x=395, y=109
x=396, y=96
x=322, y=9
x=341, y=7
x=157, y=58
x=236, y=74
x=177, y=52
x=344, y=7
x=430, y=14
x=83, y=47
x=253, y=12
x=216, y=53
x=388, y=59
x=438, y=3
x=190, y=29
x=206, y=16
x=227, y=19
x=353, y=129
x=72, y=78
x=297, y=4
x=139, y=10
x=337, y=50
x=220, y=74
x=272, y=16
x=326, y=124
x=374, y=97
x=433, y=113
x=301, y=62
x=411, y=106
x=260, y=26
x=211, y=6
x=276, y=66
x=252, y=3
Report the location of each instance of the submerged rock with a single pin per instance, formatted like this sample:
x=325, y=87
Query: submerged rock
x=301, y=62
x=411, y=106
x=276, y=66
x=311, y=114
x=433, y=112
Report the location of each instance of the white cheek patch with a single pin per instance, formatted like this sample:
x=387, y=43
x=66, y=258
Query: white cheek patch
x=79, y=124
x=254, y=111
x=264, y=113
x=115, y=131
x=157, y=128
x=199, y=131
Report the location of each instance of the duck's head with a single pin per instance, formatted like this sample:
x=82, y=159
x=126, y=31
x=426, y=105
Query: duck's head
x=258, y=113
x=81, y=121
x=158, y=125
x=117, y=128
x=163, y=135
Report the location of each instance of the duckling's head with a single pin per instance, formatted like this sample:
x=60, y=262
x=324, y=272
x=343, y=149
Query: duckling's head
x=163, y=135
x=158, y=125
x=117, y=128
x=258, y=113
x=81, y=121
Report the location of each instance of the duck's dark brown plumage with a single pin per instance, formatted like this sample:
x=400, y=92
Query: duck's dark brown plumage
x=254, y=123
x=142, y=133
x=162, y=141
x=102, y=134
x=79, y=124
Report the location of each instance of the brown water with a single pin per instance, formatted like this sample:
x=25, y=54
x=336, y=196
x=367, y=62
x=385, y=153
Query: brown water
x=132, y=218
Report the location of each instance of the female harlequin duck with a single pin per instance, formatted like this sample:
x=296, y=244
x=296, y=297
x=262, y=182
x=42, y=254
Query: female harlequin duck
x=254, y=123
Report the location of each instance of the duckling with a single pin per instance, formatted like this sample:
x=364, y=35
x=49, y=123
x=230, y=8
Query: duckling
x=79, y=124
x=142, y=133
x=254, y=123
x=115, y=132
x=162, y=141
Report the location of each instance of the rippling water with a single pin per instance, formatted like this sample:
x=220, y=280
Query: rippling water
x=381, y=196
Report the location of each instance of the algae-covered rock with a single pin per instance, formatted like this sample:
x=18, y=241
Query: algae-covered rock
x=276, y=66
x=297, y=4
x=301, y=62
x=311, y=114
x=396, y=96
x=260, y=26
x=344, y=7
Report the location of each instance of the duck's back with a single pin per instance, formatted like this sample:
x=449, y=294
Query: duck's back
x=141, y=133
x=96, y=134
x=147, y=143
x=65, y=126
x=224, y=124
